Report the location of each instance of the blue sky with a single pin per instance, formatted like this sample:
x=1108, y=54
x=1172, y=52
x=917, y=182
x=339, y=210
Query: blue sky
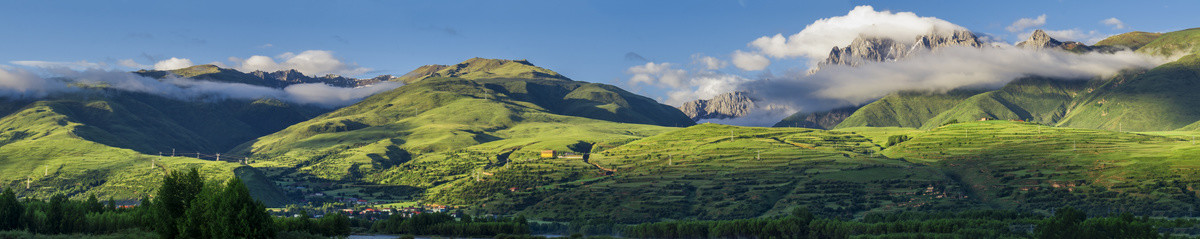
x=585, y=40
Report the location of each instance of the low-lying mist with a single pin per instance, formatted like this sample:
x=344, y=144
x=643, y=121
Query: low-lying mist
x=24, y=83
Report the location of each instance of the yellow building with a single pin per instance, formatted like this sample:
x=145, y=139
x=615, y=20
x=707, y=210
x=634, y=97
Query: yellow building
x=547, y=154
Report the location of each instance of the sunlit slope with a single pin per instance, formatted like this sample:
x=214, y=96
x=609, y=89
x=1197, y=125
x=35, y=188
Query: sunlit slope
x=434, y=131
x=905, y=109
x=1030, y=166
x=714, y=171
x=1174, y=43
x=482, y=68
x=1131, y=40
x=40, y=147
x=1030, y=99
x=1159, y=99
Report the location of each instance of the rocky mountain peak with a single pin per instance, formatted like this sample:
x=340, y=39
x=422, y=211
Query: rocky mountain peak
x=1039, y=40
x=723, y=106
x=875, y=49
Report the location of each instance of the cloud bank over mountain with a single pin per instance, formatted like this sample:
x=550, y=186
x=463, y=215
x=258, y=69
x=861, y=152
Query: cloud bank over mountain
x=23, y=83
x=309, y=62
x=817, y=38
x=779, y=95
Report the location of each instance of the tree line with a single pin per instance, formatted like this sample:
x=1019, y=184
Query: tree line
x=800, y=223
x=185, y=206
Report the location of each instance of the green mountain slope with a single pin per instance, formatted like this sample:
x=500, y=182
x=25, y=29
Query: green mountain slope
x=481, y=68
x=1030, y=166
x=151, y=124
x=818, y=120
x=1031, y=99
x=1173, y=43
x=41, y=147
x=1131, y=40
x=418, y=139
x=905, y=109
x=707, y=171
x=1159, y=99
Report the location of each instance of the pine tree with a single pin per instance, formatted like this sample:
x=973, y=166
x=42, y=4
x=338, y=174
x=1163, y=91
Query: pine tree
x=11, y=210
x=174, y=197
x=93, y=204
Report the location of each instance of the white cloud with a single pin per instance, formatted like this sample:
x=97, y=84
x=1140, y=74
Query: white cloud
x=947, y=69
x=78, y=65
x=268, y=45
x=708, y=62
x=23, y=83
x=815, y=41
x=1114, y=22
x=1024, y=23
x=310, y=62
x=173, y=63
x=750, y=61
x=680, y=85
x=662, y=74
x=1088, y=37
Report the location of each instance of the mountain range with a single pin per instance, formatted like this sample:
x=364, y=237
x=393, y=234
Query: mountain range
x=508, y=137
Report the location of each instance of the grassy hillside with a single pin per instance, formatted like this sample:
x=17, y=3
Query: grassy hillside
x=100, y=141
x=40, y=147
x=418, y=139
x=712, y=171
x=1132, y=40
x=1030, y=166
x=1173, y=43
x=1159, y=99
x=151, y=124
x=481, y=68
x=905, y=109
x=818, y=120
x=1031, y=99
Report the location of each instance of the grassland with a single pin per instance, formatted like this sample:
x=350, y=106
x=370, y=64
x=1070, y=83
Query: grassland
x=423, y=140
x=1032, y=166
x=1132, y=40
x=719, y=172
x=905, y=109
x=714, y=171
x=42, y=154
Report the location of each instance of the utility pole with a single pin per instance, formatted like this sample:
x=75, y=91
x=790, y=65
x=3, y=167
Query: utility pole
x=28, y=181
x=670, y=160
x=218, y=156
x=172, y=152
x=758, y=156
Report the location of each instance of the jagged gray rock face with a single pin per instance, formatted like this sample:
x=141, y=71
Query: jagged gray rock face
x=1039, y=40
x=867, y=49
x=724, y=106
x=875, y=49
